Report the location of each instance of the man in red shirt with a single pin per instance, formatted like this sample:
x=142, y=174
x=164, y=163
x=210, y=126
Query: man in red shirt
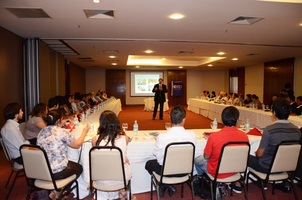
x=209, y=161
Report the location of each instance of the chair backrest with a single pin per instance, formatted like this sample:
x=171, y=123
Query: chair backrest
x=233, y=157
x=286, y=157
x=35, y=162
x=106, y=163
x=178, y=159
x=6, y=153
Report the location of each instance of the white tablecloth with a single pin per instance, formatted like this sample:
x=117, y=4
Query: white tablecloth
x=82, y=153
x=140, y=150
x=149, y=104
x=257, y=118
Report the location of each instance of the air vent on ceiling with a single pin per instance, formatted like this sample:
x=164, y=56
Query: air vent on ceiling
x=28, y=12
x=86, y=59
x=111, y=51
x=61, y=46
x=185, y=52
x=99, y=14
x=245, y=20
x=252, y=54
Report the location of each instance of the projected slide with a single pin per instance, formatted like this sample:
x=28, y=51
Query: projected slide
x=142, y=82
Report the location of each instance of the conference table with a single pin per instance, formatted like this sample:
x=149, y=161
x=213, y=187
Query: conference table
x=259, y=118
x=140, y=150
x=149, y=104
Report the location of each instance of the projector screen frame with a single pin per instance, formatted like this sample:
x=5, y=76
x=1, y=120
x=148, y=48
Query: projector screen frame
x=143, y=80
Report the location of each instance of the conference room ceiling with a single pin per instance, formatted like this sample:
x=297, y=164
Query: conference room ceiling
x=87, y=33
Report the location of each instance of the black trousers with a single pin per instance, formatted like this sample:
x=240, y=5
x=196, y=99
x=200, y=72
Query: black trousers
x=72, y=168
x=161, y=109
x=153, y=166
x=254, y=163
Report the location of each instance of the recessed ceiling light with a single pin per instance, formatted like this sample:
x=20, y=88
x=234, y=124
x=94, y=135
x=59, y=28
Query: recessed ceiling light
x=210, y=65
x=180, y=67
x=96, y=1
x=148, y=51
x=112, y=56
x=176, y=16
x=136, y=66
x=221, y=53
x=234, y=58
x=113, y=63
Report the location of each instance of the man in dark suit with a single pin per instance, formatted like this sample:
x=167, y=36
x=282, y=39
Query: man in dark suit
x=159, y=98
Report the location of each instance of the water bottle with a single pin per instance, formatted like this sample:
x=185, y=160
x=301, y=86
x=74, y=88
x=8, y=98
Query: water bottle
x=76, y=121
x=214, y=125
x=247, y=126
x=91, y=127
x=135, y=127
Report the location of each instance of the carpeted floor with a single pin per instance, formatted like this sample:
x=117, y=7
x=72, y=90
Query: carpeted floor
x=144, y=119
x=128, y=115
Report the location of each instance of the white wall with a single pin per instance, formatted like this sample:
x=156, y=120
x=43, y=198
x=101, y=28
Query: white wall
x=254, y=80
x=198, y=81
x=95, y=80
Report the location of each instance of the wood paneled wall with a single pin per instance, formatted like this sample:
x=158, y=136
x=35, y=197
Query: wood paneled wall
x=52, y=73
x=11, y=70
x=77, y=79
x=276, y=75
x=116, y=84
x=177, y=75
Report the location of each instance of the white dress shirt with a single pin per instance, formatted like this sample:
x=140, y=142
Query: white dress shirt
x=12, y=138
x=174, y=134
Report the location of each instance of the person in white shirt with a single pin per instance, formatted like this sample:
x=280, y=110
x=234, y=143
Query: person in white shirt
x=10, y=132
x=176, y=133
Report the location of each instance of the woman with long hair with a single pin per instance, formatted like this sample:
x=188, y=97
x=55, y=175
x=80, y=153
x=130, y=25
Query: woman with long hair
x=109, y=134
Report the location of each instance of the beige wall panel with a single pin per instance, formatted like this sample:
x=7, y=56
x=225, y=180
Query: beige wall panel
x=77, y=79
x=254, y=80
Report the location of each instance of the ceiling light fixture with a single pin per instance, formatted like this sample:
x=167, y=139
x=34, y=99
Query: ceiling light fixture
x=148, y=51
x=234, y=59
x=136, y=66
x=113, y=63
x=210, y=65
x=180, y=67
x=176, y=16
x=112, y=56
x=96, y=1
x=221, y=53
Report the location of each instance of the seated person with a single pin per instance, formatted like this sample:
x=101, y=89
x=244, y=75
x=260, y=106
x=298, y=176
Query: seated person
x=280, y=130
x=274, y=97
x=53, y=103
x=55, y=141
x=248, y=99
x=241, y=99
x=213, y=95
x=36, y=122
x=11, y=135
x=256, y=101
x=176, y=133
x=110, y=134
x=224, y=98
x=298, y=109
x=208, y=163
